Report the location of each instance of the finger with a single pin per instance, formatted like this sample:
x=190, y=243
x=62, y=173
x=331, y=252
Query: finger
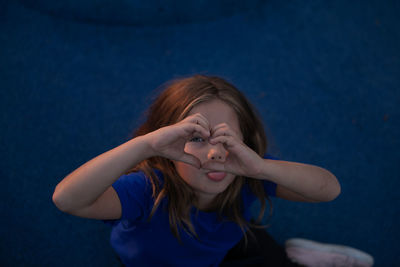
x=204, y=124
x=227, y=141
x=219, y=126
x=224, y=130
x=191, y=129
x=201, y=120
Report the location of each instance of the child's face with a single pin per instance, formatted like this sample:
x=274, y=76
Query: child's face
x=206, y=188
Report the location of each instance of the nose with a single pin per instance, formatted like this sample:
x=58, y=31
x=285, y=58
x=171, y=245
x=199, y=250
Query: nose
x=217, y=152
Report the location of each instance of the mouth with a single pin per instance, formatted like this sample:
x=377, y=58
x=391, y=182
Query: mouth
x=216, y=176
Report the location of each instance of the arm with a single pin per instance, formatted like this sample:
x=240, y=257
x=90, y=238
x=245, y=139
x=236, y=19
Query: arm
x=88, y=188
x=299, y=182
x=87, y=191
x=295, y=181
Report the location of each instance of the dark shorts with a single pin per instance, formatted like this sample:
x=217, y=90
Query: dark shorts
x=261, y=250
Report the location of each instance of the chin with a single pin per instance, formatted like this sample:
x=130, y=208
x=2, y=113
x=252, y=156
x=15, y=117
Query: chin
x=218, y=187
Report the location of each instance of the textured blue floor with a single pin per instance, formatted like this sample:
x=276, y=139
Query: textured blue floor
x=324, y=76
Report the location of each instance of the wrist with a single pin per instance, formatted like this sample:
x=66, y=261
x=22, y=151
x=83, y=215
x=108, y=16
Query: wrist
x=148, y=145
x=262, y=172
x=144, y=145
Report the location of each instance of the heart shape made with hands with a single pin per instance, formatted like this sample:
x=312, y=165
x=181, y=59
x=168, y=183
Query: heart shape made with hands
x=239, y=159
x=172, y=142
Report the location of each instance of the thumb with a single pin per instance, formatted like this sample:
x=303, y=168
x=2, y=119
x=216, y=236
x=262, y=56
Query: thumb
x=213, y=166
x=190, y=159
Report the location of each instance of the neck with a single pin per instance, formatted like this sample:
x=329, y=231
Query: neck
x=205, y=202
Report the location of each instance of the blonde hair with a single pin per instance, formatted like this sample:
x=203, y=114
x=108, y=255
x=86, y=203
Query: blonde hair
x=172, y=105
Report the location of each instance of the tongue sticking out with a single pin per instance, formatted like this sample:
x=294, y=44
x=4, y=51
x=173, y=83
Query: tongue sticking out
x=216, y=176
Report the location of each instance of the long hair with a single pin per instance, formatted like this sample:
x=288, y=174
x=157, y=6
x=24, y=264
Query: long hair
x=172, y=105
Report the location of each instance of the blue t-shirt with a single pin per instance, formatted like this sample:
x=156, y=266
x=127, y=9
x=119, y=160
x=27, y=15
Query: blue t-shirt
x=140, y=242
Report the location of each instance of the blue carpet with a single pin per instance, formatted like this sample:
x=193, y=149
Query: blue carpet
x=325, y=76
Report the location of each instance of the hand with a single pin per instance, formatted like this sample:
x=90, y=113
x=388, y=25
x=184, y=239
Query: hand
x=169, y=141
x=241, y=160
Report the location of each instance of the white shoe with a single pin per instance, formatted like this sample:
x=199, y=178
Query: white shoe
x=314, y=254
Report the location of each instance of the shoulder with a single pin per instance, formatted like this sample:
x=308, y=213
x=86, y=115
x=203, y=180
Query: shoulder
x=136, y=186
x=135, y=193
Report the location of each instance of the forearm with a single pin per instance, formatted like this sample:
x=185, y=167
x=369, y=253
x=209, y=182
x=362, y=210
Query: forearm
x=311, y=182
x=84, y=185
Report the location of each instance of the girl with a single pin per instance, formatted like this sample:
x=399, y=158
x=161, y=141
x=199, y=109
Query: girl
x=179, y=192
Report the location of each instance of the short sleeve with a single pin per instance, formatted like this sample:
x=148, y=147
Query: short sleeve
x=134, y=192
x=270, y=187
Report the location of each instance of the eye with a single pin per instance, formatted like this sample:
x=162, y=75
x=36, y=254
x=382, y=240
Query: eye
x=196, y=140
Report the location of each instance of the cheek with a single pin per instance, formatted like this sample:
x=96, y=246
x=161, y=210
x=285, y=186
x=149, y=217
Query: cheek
x=189, y=148
x=195, y=150
x=183, y=169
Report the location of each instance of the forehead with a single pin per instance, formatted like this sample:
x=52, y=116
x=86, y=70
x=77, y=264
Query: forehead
x=216, y=112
